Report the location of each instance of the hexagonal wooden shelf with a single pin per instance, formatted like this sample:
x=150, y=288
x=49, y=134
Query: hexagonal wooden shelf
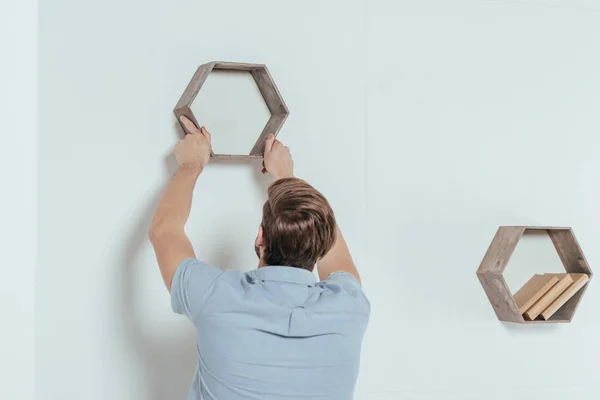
x=266, y=85
x=490, y=272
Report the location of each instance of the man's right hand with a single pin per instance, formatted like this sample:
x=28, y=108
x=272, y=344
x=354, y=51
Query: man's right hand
x=277, y=159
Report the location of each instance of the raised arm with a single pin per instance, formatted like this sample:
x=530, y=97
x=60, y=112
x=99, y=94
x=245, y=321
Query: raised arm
x=338, y=259
x=278, y=162
x=167, y=233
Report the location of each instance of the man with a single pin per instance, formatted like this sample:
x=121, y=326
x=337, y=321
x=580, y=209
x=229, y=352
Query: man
x=274, y=332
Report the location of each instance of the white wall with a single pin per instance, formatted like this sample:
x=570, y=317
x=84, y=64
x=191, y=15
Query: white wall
x=18, y=179
x=427, y=124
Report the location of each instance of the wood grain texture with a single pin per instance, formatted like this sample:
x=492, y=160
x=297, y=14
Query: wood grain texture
x=498, y=294
x=579, y=280
x=546, y=228
x=273, y=126
x=269, y=91
x=569, y=251
x=547, y=299
x=533, y=290
x=267, y=88
x=236, y=66
x=501, y=249
x=237, y=156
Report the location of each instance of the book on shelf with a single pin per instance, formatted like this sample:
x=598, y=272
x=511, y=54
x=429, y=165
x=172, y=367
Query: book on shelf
x=535, y=288
x=564, y=281
x=579, y=280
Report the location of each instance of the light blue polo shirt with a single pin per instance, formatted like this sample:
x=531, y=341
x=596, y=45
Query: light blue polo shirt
x=273, y=333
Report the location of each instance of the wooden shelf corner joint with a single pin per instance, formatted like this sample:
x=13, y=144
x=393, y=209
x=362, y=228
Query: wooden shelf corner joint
x=267, y=87
x=497, y=256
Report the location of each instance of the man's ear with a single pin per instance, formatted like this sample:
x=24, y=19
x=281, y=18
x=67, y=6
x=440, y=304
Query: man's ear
x=260, y=239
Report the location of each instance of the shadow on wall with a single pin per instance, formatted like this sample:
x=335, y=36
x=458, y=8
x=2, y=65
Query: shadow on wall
x=167, y=363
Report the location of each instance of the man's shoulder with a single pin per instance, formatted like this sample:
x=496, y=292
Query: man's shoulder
x=345, y=283
x=342, y=290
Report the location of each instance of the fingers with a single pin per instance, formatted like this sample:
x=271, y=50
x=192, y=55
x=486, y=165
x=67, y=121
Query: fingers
x=193, y=130
x=206, y=133
x=189, y=125
x=269, y=143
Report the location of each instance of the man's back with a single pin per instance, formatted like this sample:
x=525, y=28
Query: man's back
x=272, y=333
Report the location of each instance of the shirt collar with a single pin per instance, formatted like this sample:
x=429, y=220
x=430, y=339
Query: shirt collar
x=284, y=274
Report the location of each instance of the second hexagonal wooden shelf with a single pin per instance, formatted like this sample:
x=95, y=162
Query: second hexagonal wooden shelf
x=490, y=272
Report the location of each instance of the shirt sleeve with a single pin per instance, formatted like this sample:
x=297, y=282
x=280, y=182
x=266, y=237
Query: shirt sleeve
x=349, y=284
x=191, y=284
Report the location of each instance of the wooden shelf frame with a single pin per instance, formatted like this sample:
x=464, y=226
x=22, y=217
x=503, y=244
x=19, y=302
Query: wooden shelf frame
x=268, y=90
x=491, y=269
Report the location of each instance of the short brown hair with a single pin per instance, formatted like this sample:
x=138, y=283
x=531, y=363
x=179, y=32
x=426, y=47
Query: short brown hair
x=298, y=225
